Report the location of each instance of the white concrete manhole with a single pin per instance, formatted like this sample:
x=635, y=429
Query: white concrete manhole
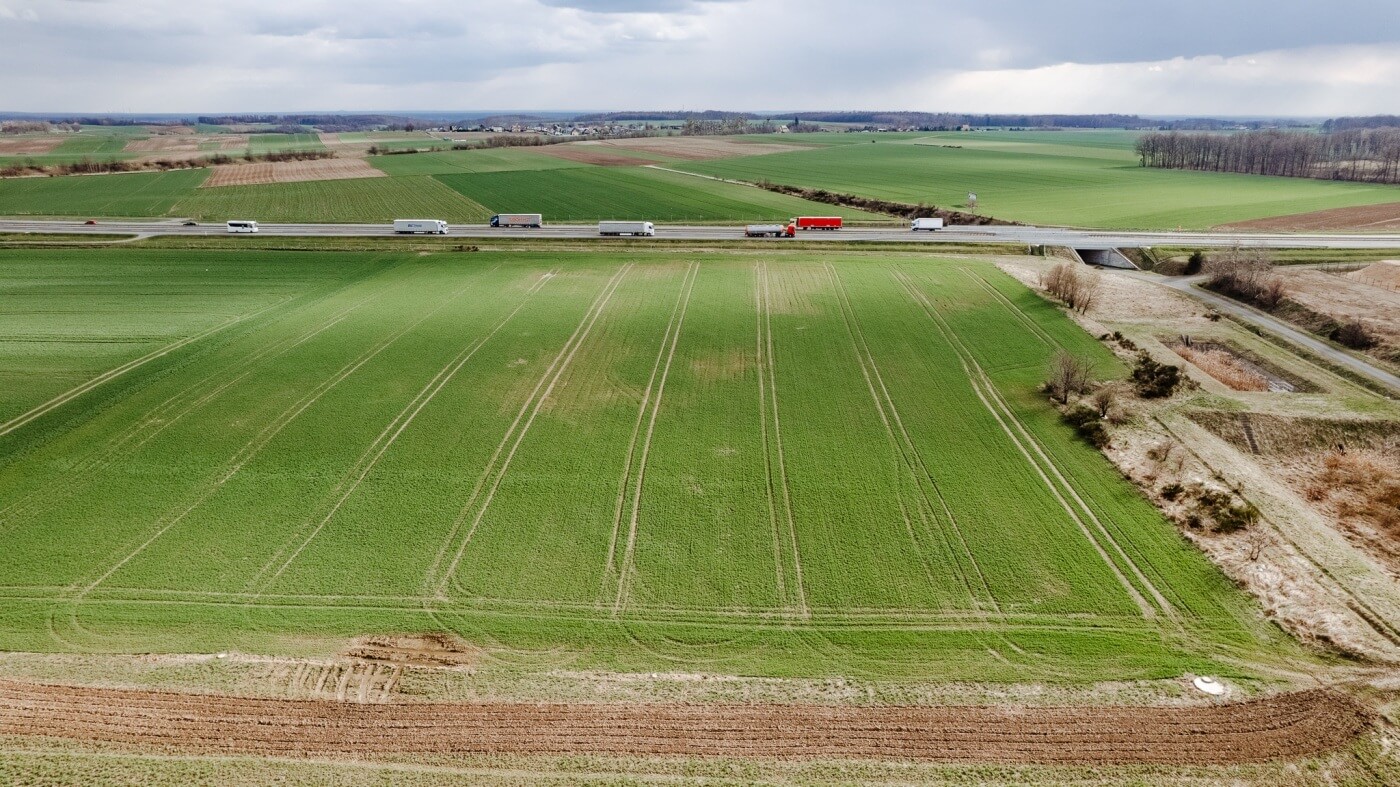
x=1209, y=686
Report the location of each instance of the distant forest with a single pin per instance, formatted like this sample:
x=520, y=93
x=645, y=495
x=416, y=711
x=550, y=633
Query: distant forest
x=1370, y=155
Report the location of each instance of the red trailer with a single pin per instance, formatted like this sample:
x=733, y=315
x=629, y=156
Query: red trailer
x=817, y=222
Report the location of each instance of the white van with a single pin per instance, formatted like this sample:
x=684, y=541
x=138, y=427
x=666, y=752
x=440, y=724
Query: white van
x=242, y=226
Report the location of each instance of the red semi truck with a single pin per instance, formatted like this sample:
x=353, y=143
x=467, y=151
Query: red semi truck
x=817, y=222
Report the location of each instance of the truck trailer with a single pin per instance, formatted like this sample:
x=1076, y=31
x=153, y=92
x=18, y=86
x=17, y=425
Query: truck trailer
x=817, y=222
x=429, y=226
x=626, y=228
x=517, y=220
x=770, y=231
x=927, y=224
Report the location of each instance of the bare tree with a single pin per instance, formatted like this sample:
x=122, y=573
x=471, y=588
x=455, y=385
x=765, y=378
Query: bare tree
x=1069, y=375
x=1103, y=399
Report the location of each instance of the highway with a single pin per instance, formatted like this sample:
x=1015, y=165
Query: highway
x=1051, y=236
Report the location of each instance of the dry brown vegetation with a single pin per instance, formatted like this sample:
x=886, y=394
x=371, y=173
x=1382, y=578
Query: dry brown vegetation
x=1072, y=284
x=1223, y=366
x=1363, y=484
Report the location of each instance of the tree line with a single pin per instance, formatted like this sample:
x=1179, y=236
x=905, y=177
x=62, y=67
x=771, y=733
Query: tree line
x=1369, y=155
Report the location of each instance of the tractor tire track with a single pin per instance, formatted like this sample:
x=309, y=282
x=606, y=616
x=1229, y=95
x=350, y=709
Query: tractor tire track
x=438, y=578
x=628, y=564
x=909, y=453
x=386, y=439
x=1002, y=413
x=768, y=390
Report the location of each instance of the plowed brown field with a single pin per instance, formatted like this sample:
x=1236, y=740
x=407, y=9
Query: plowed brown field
x=25, y=146
x=290, y=172
x=590, y=153
x=1365, y=217
x=1280, y=727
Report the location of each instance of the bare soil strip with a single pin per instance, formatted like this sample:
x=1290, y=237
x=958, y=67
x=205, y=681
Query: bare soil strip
x=290, y=172
x=591, y=153
x=1369, y=217
x=1288, y=726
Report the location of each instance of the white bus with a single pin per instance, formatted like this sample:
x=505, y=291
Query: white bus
x=242, y=226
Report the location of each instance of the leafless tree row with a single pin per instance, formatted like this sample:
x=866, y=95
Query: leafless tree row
x=1367, y=154
x=1073, y=284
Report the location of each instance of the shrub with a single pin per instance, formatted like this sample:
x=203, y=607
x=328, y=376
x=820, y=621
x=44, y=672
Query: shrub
x=1172, y=491
x=1087, y=425
x=1354, y=334
x=1153, y=380
x=1195, y=263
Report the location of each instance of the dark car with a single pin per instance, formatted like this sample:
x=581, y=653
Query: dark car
x=189, y=224
x=90, y=221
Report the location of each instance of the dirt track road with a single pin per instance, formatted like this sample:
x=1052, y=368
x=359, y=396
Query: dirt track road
x=1282, y=727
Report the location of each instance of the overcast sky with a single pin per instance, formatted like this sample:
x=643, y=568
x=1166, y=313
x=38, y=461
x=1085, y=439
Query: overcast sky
x=1219, y=57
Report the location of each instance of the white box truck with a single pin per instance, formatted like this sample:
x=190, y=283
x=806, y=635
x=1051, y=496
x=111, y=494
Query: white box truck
x=626, y=228
x=517, y=220
x=927, y=224
x=430, y=226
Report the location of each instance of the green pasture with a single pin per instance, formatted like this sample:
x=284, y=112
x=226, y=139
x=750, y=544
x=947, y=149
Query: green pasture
x=128, y=194
x=593, y=193
x=359, y=200
x=755, y=463
x=1071, y=178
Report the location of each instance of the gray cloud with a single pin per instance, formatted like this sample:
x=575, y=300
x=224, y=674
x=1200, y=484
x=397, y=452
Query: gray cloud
x=173, y=55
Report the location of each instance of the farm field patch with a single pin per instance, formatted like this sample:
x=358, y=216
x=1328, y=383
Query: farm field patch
x=125, y=194
x=465, y=161
x=755, y=463
x=368, y=200
x=290, y=172
x=1081, y=180
x=593, y=193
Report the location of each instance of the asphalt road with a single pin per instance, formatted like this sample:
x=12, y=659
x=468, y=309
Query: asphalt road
x=1086, y=239
x=1275, y=326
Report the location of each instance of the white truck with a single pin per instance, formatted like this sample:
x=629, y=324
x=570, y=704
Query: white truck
x=430, y=226
x=517, y=220
x=626, y=228
x=927, y=224
x=770, y=231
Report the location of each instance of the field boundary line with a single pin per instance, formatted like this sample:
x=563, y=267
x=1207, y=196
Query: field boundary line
x=264, y=436
x=908, y=451
x=628, y=562
x=112, y=374
x=769, y=364
x=978, y=380
x=499, y=465
x=406, y=416
x=632, y=441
